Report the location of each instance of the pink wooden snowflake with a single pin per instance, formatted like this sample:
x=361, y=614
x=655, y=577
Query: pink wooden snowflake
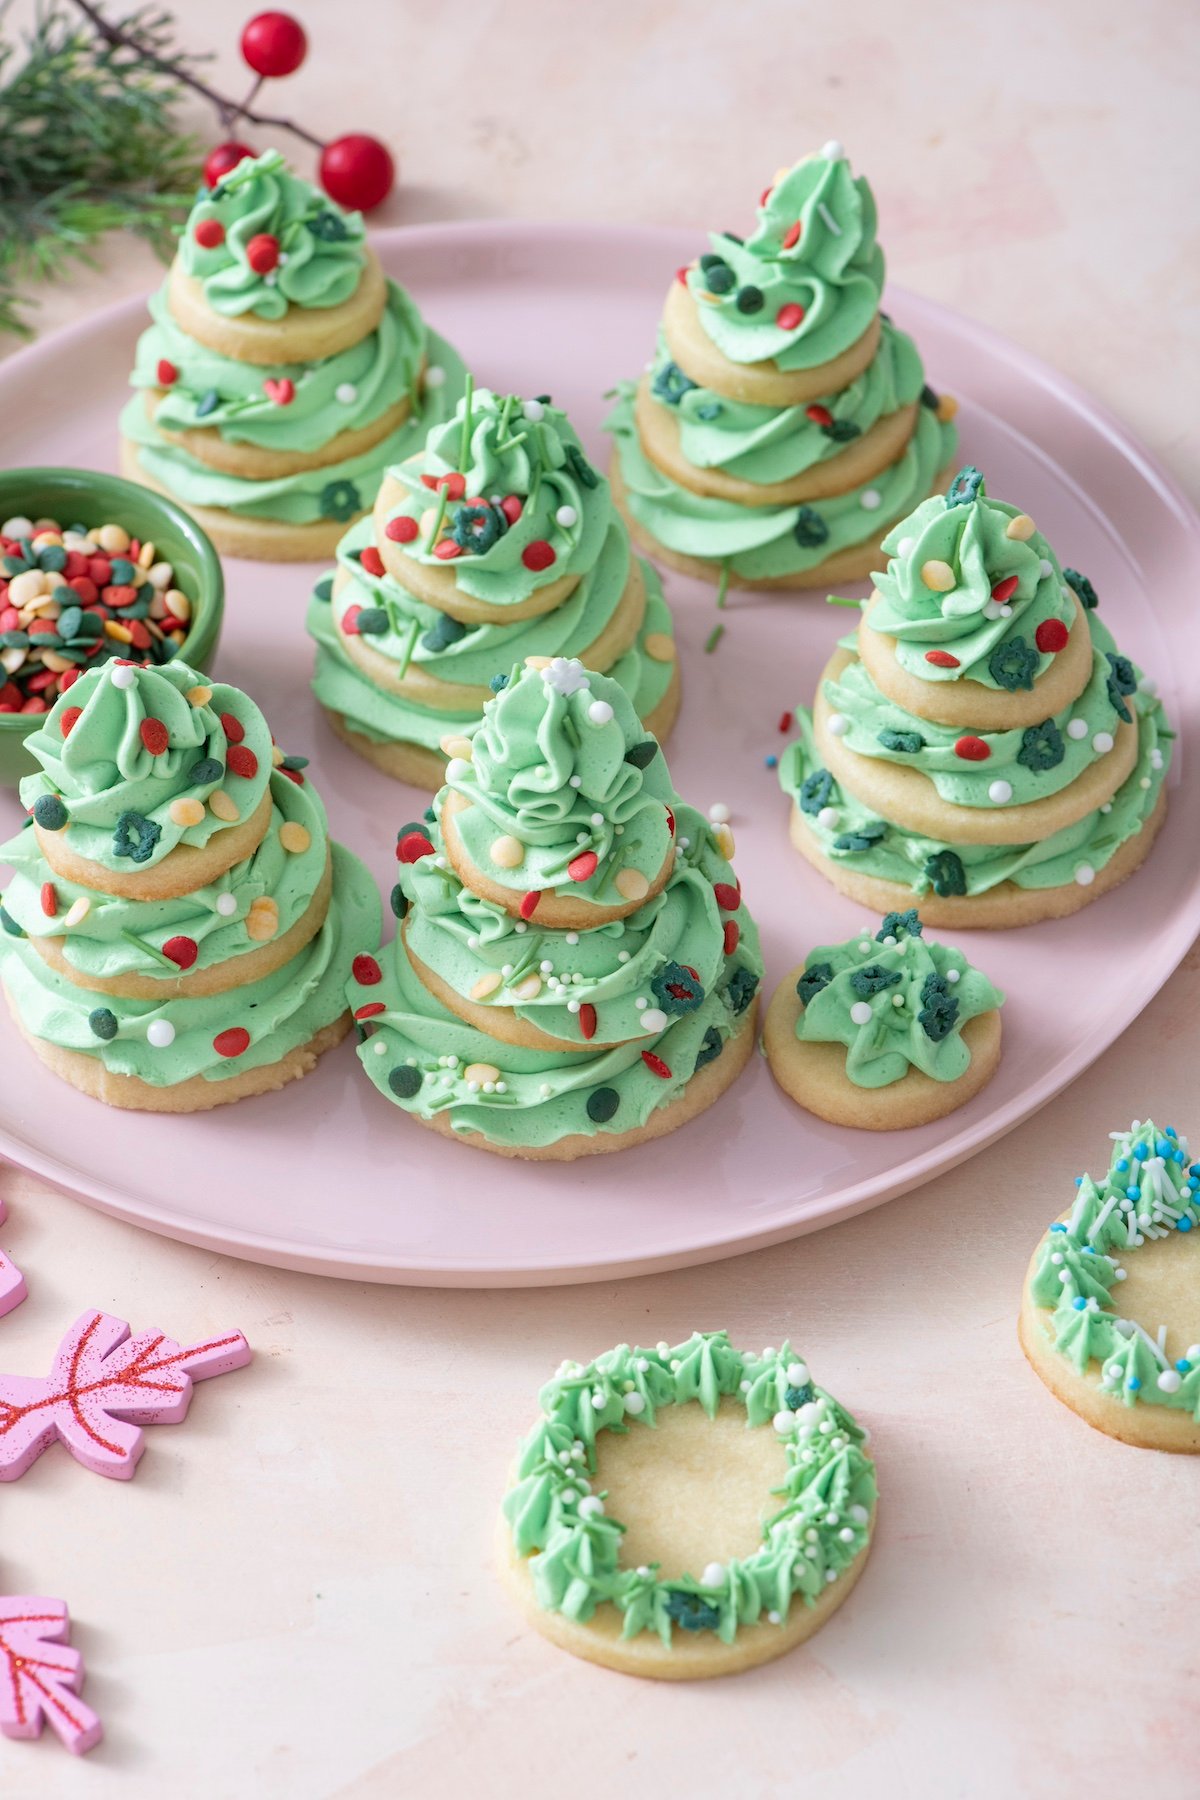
x=12, y=1282
x=40, y=1675
x=102, y=1386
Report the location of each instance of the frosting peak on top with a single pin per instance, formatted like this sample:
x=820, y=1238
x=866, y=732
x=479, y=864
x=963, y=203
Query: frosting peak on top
x=265, y=239
x=806, y=284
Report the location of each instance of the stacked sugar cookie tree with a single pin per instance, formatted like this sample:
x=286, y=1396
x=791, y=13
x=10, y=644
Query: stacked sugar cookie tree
x=178, y=927
x=979, y=742
x=495, y=541
x=283, y=371
x=784, y=422
x=574, y=969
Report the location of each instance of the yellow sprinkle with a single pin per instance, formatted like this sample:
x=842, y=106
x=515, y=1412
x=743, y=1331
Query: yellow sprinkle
x=222, y=806
x=529, y=989
x=487, y=984
x=938, y=575
x=947, y=407
x=44, y=539
x=29, y=585
x=779, y=174
x=186, y=811
x=199, y=696
x=262, y=921
x=508, y=852
x=427, y=520
x=114, y=538
x=659, y=647
x=724, y=840
x=480, y=1073
x=146, y=555
x=703, y=294
x=178, y=605
x=457, y=746
x=632, y=884
x=295, y=837
x=1021, y=527
x=537, y=662
x=113, y=630
x=276, y=756
x=77, y=911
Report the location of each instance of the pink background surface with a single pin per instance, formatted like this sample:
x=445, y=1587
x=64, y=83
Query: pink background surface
x=294, y=1598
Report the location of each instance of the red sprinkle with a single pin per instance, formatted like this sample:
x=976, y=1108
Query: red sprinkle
x=670, y=821
x=941, y=659
x=232, y=1042
x=587, y=1020
x=167, y=374
x=656, y=1065
x=49, y=899
x=820, y=415
x=728, y=897
x=154, y=736
x=262, y=252
x=1004, y=590
x=68, y=678
x=972, y=749
x=100, y=570
x=785, y=721
x=538, y=555
x=241, y=760
x=446, y=550
x=182, y=951
x=512, y=506
x=371, y=1010
x=401, y=530
x=280, y=392
x=412, y=847
x=791, y=236
x=1051, y=636
x=84, y=588
x=371, y=560
x=582, y=868
x=69, y=715
x=350, y=620
x=789, y=316
x=454, y=484
x=681, y=274
x=732, y=934
x=764, y=196
x=366, y=971
x=233, y=728
x=209, y=233
x=529, y=903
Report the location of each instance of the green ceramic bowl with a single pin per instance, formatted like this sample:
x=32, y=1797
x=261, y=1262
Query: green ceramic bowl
x=81, y=496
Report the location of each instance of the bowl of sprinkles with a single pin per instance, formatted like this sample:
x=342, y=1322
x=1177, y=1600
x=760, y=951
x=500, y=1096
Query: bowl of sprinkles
x=93, y=567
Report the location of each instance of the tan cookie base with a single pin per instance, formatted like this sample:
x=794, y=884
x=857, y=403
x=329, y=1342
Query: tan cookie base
x=699, y=1094
x=305, y=334
x=239, y=971
x=196, y=1094
x=556, y=911
x=909, y=798
x=814, y=1074
x=855, y=563
x=1004, y=907
x=760, y=383
x=422, y=768
x=876, y=449
x=437, y=584
x=500, y=1022
x=235, y=534
x=1162, y=1288
x=251, y=462
x=970, y=704
x=181, y=871
x=691, y=1490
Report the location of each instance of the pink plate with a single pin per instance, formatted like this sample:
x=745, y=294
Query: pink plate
x=326, y=1176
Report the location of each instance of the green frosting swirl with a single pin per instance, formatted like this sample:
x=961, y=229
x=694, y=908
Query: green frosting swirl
x=322, y=248
x=832, y=271
x=340, y=490
x=414, y=634
x=821, y=1527
x=768, y=444
x=896, y=1001
x=339, y=393
x=969, y=621
x=504, y=447
x=117, y=789
x=1151, y=1189
x=561, y=762
x=761, y=542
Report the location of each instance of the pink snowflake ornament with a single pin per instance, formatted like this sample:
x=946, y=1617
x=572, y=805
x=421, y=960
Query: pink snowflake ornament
x=40, y=1675
x=103, y=1385
x=12, y=1282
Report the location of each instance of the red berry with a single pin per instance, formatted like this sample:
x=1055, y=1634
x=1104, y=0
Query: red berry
x=262, y=252
x=583, y=867
x=371, y=560
x=587, y=1020
x=357, y=171
x=273, y=43
x=941, y=659
x=972, y=749
x=732, y=934
x=241, y=760
x=1004, y=590
x=69, y=716
x=820, y=415
x=154, y=736
x=412, y=847
x=401, y=530
x=280, y=392
x=789, y=316
x=232, y=1042
x=222, y=158
x=233, y=728
x=167, y=375
x=792, y=235
x=727, y=896
x=209, y=233
x=49, y=899
x=182, y=951
x=366, y=971
x=1051, y=636
x=511, y=506
x=656, y=1065
x=529, y=903
x=370, y=1010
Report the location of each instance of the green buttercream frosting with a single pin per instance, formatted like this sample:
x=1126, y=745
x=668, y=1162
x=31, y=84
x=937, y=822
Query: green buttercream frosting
x=768, y=444
x=826, y=1497
x=117, y=789
x=502, y=447
x=1151, y=1190
x=895, y=1000
x=322, y=249
x=831, y=270
x=971, y=622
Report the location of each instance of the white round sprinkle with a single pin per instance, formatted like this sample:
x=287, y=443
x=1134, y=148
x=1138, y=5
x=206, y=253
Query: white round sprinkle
x=1077, y=728
x=784, y=1422
x=17, y=527
x=160, y=1033
x=1102, y=743
x=832, y=151
x=1170, y=1381
x=435, y=376
x=633, y=1403
x=952, y=975
x=829, y=817
x=861, y=1013
x=534, y=410
x=719, y=813
x=839, y=724
x=797, y=1374
x=575, y=781
x=345, y=393
x=1000, y=792
x=123, y=675
x=713, y=1575
x=227, y=905
x=654, y=1019
x=600, y=712
x=591, y=1506
x=1045, y=568
x=870, y=498
x=906, y=546
x=859, y=1514
x=773, y=1618
x=565, y=516
x=456, y=768
x=1085, y=875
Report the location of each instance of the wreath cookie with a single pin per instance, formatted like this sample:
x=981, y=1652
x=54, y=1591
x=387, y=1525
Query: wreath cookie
x=884, y=1031
x=1136, y=1377
x=679, y=1590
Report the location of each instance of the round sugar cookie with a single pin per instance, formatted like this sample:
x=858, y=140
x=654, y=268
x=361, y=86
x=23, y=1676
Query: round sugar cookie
x=669, y=1464
x=181, y=871
x=760, y=383
x=305, y=334
x=500, y=1022
x=251, y=462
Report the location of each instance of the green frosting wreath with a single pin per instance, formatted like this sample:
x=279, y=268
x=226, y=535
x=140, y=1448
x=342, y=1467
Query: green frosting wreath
x=822, y=1526
x=1151, y=1189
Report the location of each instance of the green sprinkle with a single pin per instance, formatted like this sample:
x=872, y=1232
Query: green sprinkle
x=432, y=539
x=723, y=585
x=409, y=647
x=837, y=600
x=131, y=937
x=713, y=639
x=464, y=442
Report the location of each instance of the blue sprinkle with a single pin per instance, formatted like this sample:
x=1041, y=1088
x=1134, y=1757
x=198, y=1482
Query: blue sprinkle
x=1079, y=1303
x=1195, y=1169
x=1123, y=1164
x=1133, y=1384
x=772, y=762
x=1078, y=1183
x=1089, y=1249
x=1133, y=1193
x=1162, y=1148
x=1184, y=1366
x=1140, y=1152
x=1171, y=1131
x=1059, y=1227
x=1185, y=1225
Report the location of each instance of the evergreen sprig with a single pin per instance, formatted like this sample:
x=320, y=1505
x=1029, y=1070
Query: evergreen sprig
x=89, y=144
